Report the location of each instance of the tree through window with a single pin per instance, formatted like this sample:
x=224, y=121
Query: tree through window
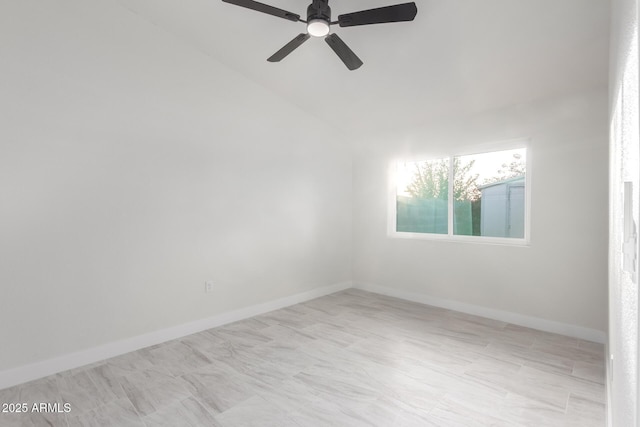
x=489, y=195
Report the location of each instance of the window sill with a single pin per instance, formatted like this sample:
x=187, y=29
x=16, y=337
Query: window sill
x=501, y=241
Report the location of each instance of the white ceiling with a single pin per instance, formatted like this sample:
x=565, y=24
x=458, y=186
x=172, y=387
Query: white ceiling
x=458, y=57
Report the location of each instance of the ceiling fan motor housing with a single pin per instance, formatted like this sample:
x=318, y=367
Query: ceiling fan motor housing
x=319, y=9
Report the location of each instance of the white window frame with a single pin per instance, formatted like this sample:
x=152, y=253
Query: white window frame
x=450, y=237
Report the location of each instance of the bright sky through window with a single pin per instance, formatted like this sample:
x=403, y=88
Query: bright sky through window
x=484, y=166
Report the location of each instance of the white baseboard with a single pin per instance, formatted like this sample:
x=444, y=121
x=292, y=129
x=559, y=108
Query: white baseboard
x=34, y=371
x=504, y=316
x=37, y=370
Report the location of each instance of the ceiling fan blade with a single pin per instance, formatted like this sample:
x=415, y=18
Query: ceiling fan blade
x=397, y=13
x=289, y=47
x=265, y=8
x=342, y=50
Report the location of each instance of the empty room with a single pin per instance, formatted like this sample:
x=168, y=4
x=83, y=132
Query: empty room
x=319, y=213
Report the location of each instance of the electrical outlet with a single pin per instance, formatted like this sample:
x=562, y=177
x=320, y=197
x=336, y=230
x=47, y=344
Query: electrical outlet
x=208, y=287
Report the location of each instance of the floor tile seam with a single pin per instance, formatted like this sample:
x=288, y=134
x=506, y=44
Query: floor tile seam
x=562, y=351
x=501, y=355
x=126, y=396
x=557, y=342
x=135, y=409
x=519, y=424
x=527, y=347
x=499, y=407
x=590, y=398
x=579, y=378
x=145, y=418
x=578, y=395
x=562, y=385
x=568, y=358
x=57, y=388
x=155, y=384
x=551, y=369
x=367, y=391
x=507, y=390
x=568, y=377
x=95, y=384
x=418, y=410
x=96, y=407
x=75, y=389
x=268, y=396
x=179, y=402
x=547, y=405
x=71, y=415
x=533, y=363
x=484, y=357
x=236, y=404
x=562, y=408
x=284, y=410
x=444, y=408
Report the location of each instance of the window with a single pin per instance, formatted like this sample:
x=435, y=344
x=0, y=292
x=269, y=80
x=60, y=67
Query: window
x=482, y=195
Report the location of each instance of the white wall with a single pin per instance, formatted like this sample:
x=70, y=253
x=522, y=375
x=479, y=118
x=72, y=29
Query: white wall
x=561, y=277
x=133, y=168
x=622, y=372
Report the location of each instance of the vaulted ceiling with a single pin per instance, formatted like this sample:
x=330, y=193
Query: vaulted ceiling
x=458, y=57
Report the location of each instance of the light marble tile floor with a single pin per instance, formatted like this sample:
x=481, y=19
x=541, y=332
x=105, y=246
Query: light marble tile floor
x=352, y=359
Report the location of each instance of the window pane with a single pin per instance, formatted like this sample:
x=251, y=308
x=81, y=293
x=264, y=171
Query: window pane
x=489, y=194
x=422, y=196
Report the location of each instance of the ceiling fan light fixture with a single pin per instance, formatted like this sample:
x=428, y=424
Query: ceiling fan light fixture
x=318, y=27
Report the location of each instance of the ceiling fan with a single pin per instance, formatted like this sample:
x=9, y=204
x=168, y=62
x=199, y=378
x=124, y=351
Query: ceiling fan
x=319, y=23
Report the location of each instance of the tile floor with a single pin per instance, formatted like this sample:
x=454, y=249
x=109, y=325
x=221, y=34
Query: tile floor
x=348, y=359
